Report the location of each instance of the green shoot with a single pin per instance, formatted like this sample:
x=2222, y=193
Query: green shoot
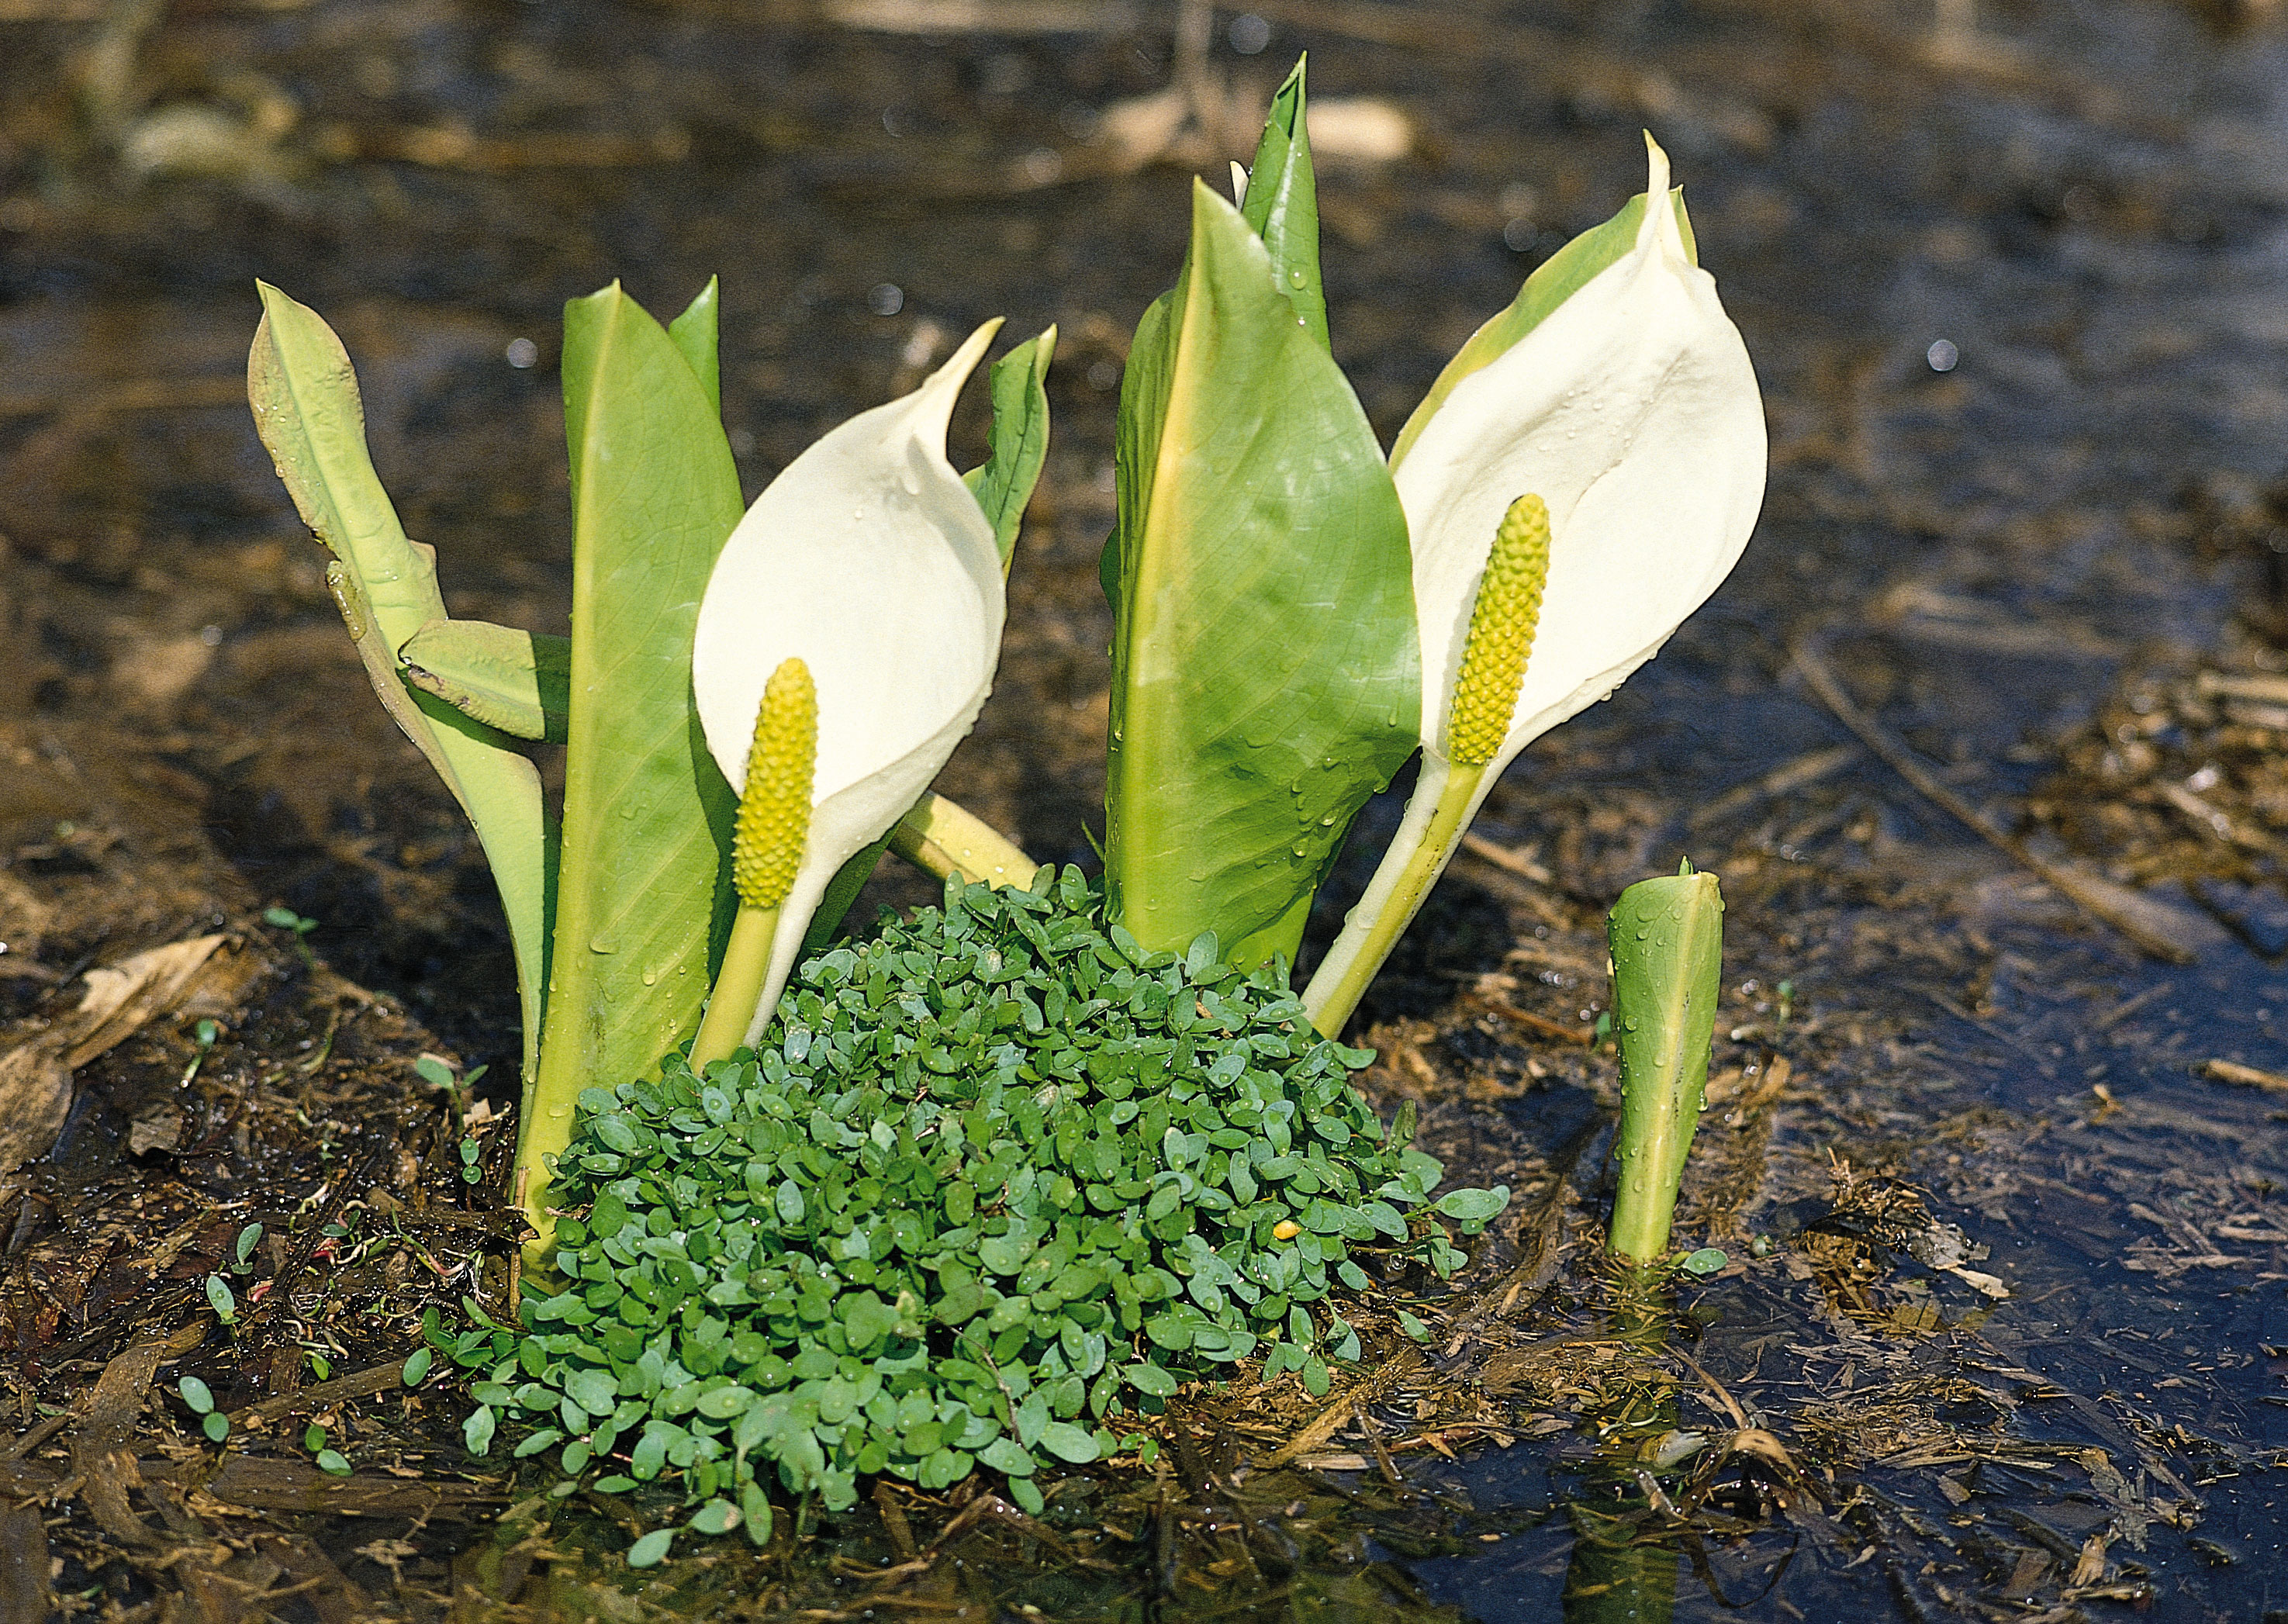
x=1667, y=939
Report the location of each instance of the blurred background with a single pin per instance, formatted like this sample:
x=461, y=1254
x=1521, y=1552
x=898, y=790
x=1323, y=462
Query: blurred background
x=2014, y=273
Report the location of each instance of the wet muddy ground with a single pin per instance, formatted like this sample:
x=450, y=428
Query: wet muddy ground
x=2013, y=276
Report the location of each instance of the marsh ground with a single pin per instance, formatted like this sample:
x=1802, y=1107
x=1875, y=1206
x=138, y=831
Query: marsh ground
x=2013, y=276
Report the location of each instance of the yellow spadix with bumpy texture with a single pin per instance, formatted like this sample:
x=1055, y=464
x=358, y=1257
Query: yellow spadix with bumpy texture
x=1502, y=623
x=774, y=808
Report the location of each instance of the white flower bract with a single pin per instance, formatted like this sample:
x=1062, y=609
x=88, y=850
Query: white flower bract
x=1632, y=411
x=869, y=559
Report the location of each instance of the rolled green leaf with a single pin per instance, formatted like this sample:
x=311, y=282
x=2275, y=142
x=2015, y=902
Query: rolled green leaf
x=641, y=897
x=1265, y=678
x=1667, y=937
x=307, y=411
x=1003, y=484
x=505, y=678
x=1281, y=202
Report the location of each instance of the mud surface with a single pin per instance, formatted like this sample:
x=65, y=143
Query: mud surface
x=2013, y=278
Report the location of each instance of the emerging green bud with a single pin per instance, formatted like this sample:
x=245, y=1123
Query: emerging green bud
x=1502, y=623
x=775, y=810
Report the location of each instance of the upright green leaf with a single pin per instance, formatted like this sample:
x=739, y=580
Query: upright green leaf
x=1555, y=280
x=1003, y=484
x=640, y=895
x=1266, y=677
x=497, y=675
x=307, y=411
x=695, y=333
x=1282, y=205
x=1667, y=940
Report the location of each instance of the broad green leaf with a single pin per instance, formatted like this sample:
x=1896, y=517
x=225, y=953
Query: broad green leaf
x=504, y=678
x=1555, y=280
x=1003, y=484
x=647, y=815
x=1667, y=940
x=1282, y=205
x=307, y=411
x=1265, y=668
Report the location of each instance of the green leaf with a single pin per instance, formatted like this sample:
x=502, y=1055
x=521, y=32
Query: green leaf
x=197, y=1396
x=216, y=1425
x=508, y=679
x=477, y=1430
x=1266, y=674
x=1707, y=1260
x=1555, y=280
x=694, y=335
x=1150, y=1379
x=651, y=1550
x=1667, y=941
x=1003, y=484
x=640, y=894
x=416, y=1367
x=334, y=1463
x=593, y=1391
x=1474, y=1206
x=307, y=411
x=755, y=1510
x=716, y=1517
x=1008, y=1457
x=1282, y=205
x=1067, y=1442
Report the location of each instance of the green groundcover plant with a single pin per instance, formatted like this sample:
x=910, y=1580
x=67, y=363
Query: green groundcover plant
x=767, y=1255
x=1003, y=1176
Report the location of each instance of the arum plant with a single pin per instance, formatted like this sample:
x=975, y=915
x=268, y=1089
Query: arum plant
x=1265, y=673
x=619, y=908
x=1580, y=477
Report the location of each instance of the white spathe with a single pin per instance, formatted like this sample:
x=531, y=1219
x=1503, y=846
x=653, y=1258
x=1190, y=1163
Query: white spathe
x=868, y=558
x=1632, y=409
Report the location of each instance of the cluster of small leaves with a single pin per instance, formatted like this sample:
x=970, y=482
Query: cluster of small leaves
x=1001, y=1176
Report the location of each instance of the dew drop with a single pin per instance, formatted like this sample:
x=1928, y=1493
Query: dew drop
x=651, y=978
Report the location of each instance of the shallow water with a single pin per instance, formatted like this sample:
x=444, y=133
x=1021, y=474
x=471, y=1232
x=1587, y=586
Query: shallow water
x=2088, y=203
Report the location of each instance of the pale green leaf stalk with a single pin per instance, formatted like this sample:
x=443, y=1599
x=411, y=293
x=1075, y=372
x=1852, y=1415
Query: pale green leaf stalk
x=307, y=411
x=1504, y=617
x=945, y=839
x=766, y=847
x=1667, y=939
